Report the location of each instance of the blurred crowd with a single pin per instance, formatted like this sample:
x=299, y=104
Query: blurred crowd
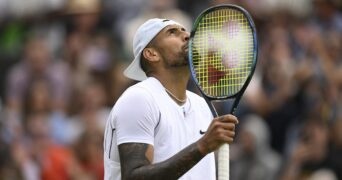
x=61, y=64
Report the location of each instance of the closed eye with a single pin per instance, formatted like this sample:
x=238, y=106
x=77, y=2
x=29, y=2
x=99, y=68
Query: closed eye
x=172, y=30
x=175, y=30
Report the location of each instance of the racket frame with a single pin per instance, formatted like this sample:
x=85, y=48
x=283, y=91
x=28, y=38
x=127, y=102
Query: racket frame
x=223, y=151
x=209, y=99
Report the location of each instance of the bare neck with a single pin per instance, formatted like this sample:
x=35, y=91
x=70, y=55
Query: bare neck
x=175, y=82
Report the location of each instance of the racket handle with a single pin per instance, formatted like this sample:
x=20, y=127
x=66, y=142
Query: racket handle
x=223, y=162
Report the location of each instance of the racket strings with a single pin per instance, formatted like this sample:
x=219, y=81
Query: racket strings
x=223, y=52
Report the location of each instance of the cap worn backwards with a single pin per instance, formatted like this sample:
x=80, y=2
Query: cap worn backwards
x=144, y=35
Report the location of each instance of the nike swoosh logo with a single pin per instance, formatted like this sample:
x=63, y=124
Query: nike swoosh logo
x=202, y=132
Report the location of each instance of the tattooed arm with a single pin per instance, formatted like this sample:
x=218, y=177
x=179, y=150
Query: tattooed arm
x=136, y=162
x=136, y=158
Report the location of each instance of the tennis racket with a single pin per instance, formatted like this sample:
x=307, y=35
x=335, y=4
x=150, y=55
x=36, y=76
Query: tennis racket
x=222, y=59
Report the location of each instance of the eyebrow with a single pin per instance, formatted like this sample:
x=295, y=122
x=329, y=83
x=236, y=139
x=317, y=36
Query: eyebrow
x=175, y=28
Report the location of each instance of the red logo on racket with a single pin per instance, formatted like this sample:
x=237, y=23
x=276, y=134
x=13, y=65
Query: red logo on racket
x=214, y=75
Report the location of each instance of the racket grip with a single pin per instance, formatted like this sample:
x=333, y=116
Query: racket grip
x=223, y=162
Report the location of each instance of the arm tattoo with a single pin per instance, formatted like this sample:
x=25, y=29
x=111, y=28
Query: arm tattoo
x=135, y=165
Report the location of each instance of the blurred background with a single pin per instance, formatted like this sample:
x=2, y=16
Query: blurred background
x=61, y=64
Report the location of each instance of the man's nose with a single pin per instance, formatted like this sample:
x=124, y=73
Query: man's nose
x=186, y=36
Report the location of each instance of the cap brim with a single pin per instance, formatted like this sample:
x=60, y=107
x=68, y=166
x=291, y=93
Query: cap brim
x=134, y=70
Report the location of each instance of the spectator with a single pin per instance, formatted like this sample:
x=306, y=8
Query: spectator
x=252, y=156
x=88, y=151
x=309, y=155
x=37, y=64
x=92, y=114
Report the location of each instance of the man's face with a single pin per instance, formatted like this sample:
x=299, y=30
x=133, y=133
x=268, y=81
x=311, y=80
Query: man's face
x=37, y=55
x=172, y=45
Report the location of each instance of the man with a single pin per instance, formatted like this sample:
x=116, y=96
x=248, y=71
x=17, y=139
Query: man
x=153, y=131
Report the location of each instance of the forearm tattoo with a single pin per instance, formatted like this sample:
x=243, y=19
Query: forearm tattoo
x=135, y=165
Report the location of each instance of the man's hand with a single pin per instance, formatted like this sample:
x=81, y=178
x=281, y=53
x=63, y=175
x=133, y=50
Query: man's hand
x=220, y=131
x=136, y=158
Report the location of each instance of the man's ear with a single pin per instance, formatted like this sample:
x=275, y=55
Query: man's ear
x=150, y=54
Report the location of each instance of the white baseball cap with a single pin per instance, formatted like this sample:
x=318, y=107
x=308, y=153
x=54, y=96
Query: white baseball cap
x=144, y=35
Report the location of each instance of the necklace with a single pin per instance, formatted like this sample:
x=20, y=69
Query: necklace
x=177, y=99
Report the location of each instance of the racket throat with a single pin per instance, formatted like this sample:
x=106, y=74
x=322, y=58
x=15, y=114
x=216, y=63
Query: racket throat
x=211, y=107
x=236, y=102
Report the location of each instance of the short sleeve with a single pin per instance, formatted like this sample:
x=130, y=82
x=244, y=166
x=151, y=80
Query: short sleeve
x=135, y=117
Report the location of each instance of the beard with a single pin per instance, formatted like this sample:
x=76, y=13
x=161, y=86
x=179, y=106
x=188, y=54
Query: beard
x=180, y=60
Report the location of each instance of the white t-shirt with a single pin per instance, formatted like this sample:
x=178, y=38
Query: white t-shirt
x=146, y=114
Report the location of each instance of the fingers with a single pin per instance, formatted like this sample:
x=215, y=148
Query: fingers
x=225, y=127
x=228, y=118
x=221, y=130
x=228, y=140
x=226, y=122
x=229, y=127
x=227, y=136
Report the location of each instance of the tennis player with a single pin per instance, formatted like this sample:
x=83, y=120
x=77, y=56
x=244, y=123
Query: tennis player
x=154, y=129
